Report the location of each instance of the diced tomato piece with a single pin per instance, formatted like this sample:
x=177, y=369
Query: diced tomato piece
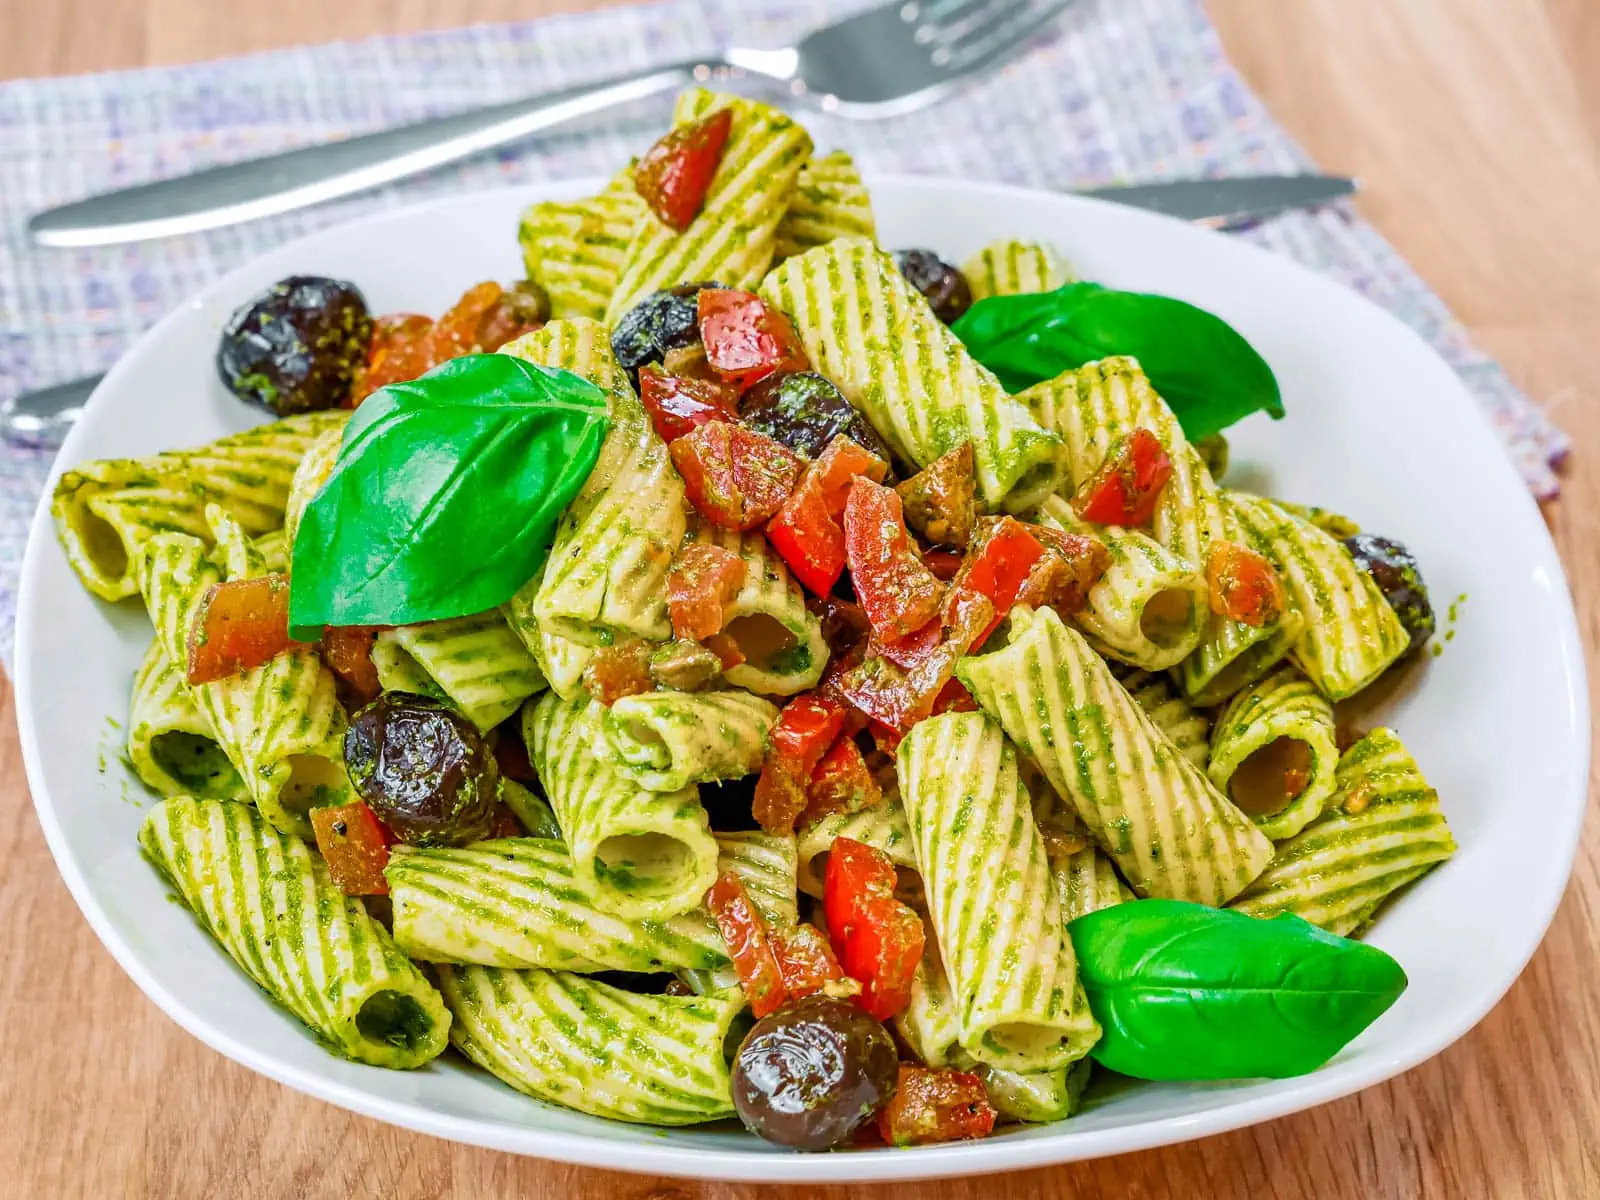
x=806, y=533
x=896, y=697
x=242, y=624
x=736, y=478
x=885, y=739
x=954, y=697
x=675, y=173
x=898, y=593
x=347, y=652
x=941, y=500
x=459, y=331
x=726, y=647
x=878, y=939
x=355, y=845
x=943, y=563
x=745, y=338
x=857, y=876
x=805, y=729
x=1127, y=487
x=805, y=960
x=519, y=309
x=1072, y=565
x=997, y=567
x=619, y=671
x=677, y=405
x=936, y=1104
x=398, y=353
x=749, y=944
x=840, y=782
x=704, y=579
x=1244, y=585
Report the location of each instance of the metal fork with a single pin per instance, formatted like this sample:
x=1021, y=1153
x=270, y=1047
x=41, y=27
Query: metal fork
x=878, y=63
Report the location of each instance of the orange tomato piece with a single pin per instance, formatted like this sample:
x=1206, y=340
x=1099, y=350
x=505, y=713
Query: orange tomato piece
x=1127, y=487
x=704, y=579
x=240, y=625
x=355, y=845
x=1244, y=585
x=748, y=940
x=936, y=1104
x=675, y=173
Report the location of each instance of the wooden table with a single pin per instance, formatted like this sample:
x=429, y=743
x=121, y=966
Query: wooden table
x=1474, y=125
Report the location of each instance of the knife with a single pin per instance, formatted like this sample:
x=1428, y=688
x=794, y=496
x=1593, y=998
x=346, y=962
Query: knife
x=42, y=417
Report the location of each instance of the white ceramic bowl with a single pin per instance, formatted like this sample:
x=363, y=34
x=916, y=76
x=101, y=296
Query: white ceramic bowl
x=1378, y=428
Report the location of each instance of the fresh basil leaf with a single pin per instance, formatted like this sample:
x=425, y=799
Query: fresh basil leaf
x=1199, y=363
x=1188, y=992
x=445, y=495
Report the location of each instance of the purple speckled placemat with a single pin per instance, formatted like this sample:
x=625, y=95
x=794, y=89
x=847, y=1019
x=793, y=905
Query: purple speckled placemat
x=1119, y=91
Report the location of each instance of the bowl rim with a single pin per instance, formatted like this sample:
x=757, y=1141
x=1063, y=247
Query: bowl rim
x=1329, y=1083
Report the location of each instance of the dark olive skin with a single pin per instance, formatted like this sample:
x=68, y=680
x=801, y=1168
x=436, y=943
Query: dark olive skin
x=1394, y=570
x=662, y=321
x=945, y=286
x=297, y=346
x=423, y=769
x=804, y=411
x=810, y=1075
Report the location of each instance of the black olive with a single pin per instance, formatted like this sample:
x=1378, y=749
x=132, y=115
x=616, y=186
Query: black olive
x=808, y=1076
x=424, y=770
x=805, y=411
x=296, y=346
x=662, y=321
x=1394, y=569
x=945, y=287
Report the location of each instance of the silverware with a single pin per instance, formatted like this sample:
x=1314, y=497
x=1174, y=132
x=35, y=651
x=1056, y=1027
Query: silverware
x=878, y=63
x=41, y=418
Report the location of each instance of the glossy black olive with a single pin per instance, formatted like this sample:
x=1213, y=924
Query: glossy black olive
x=945, y=286
x=1394, y=569
x=808, y=1076
x=423, y=768
x=662, y=321
x=296, y=346
x=804, y=411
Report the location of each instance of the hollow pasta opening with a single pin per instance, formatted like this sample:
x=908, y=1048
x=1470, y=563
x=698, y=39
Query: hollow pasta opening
x=395, y=1019
x=762, y=639
x=102, y=544
x=1024, y=1040
x=195, y=761
x=643, y=864
x=313, y=781
x=1166, y=615
x=1272, y=777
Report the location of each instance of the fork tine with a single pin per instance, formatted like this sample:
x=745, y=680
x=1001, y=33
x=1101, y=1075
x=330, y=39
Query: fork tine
x=978, y=43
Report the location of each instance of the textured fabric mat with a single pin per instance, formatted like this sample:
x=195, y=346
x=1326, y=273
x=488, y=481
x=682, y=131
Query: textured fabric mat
x=1118, y=91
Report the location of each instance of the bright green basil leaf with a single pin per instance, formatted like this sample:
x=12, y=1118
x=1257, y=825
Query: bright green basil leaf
x=1188, y=992
x=445, y=495
x=1199, y=363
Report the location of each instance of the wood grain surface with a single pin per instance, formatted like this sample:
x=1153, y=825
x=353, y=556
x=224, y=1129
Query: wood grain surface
x=1474, y=126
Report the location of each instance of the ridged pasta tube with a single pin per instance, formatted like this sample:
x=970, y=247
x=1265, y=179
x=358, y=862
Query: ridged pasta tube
x=1273, y=753
x=575, y=249
x=268, y=901
x=313, y=471
x=1009, y=267
x=1351, y=633
x=476, y=662
x=605, y=577
x=780, y=638
x=994, y=908
x=883, y=827
x=1382, y=829
x=875, y=336
x=929, y=1023
x=638, y=853
x=1154, y=812
x=1086, y=881
x=1187, y=728
x=560, y=660
x=105, y=510
x=170, y=743
x=1037, y=1097
x=669, y=740
x=564, y=1039
x=732, y=239
x=829, y=201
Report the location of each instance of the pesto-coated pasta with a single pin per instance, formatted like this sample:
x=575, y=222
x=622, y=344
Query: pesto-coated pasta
x=1009, y=961
x=1086, y=880
x=669, y=740
x=568, y=1040
x=171, y=746
x=1187, y=728
x=310, y=474
x=1038, y=1097
x=1153, y=811
x=636, y=852
x=829, y=201
x=1381, y=830
x=560, y=660
x=575, y=249
x=930, y=1023
x=1009, y=267
x=732, y=239
x=883, y=827
x=477, y=663
x=605, y=578
x=1273, y=753
x=875, y=336
x=268, y=901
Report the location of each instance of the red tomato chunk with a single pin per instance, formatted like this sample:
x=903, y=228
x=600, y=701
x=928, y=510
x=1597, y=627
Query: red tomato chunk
x=804, y=730
x=736, y=478
x=878, y=939
x=677, y=405
x=355, y=845
x=1244, y=585
x=806, y=532
x=841, y=782
x=241, y=624
x=936, y=1104
x=347, y=652
x=746, y=936
x=1072, y=565
x=1127, y=487
x=746, y=339
x=805, y=961
x=619, y=671
x=675, y=173
x=704, y=579
x=996, y=568
x=898, y=593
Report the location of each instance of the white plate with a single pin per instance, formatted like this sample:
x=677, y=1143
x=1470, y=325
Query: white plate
x=1378, y=428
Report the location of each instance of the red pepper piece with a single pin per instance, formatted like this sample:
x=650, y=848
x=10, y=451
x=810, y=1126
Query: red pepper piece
x=878, y=939
x=704, y=579
x=619, y=671
x=954, y=697
x=749, y=944
x=805, y=961
x=943, y=563
x=1244, y=585
x=840, y=782
x=677, y=405
x=745, y=338
x=803, y=732
x=675, y=173
x=857, y=876
x=242, y=624
x=898, y=593
x=1127, y=487
x=806, y=532
x=997, y=567
x=355, y=845
x=897, y=697
x=347, y=652
x=736, y=478
x=936, y=1104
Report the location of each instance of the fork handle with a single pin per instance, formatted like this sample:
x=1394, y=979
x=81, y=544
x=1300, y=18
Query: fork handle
x=280, y=183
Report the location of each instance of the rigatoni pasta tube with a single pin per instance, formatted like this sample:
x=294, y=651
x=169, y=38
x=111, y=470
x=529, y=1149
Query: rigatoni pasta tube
x=575, y=249
x=1171, y=833
x=171, y=745
x=1009, y=267
x=477, y=663
x=1273, y=753
x=882, y=826
x=829, y=201
x=994, y=908
x=669, y=740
